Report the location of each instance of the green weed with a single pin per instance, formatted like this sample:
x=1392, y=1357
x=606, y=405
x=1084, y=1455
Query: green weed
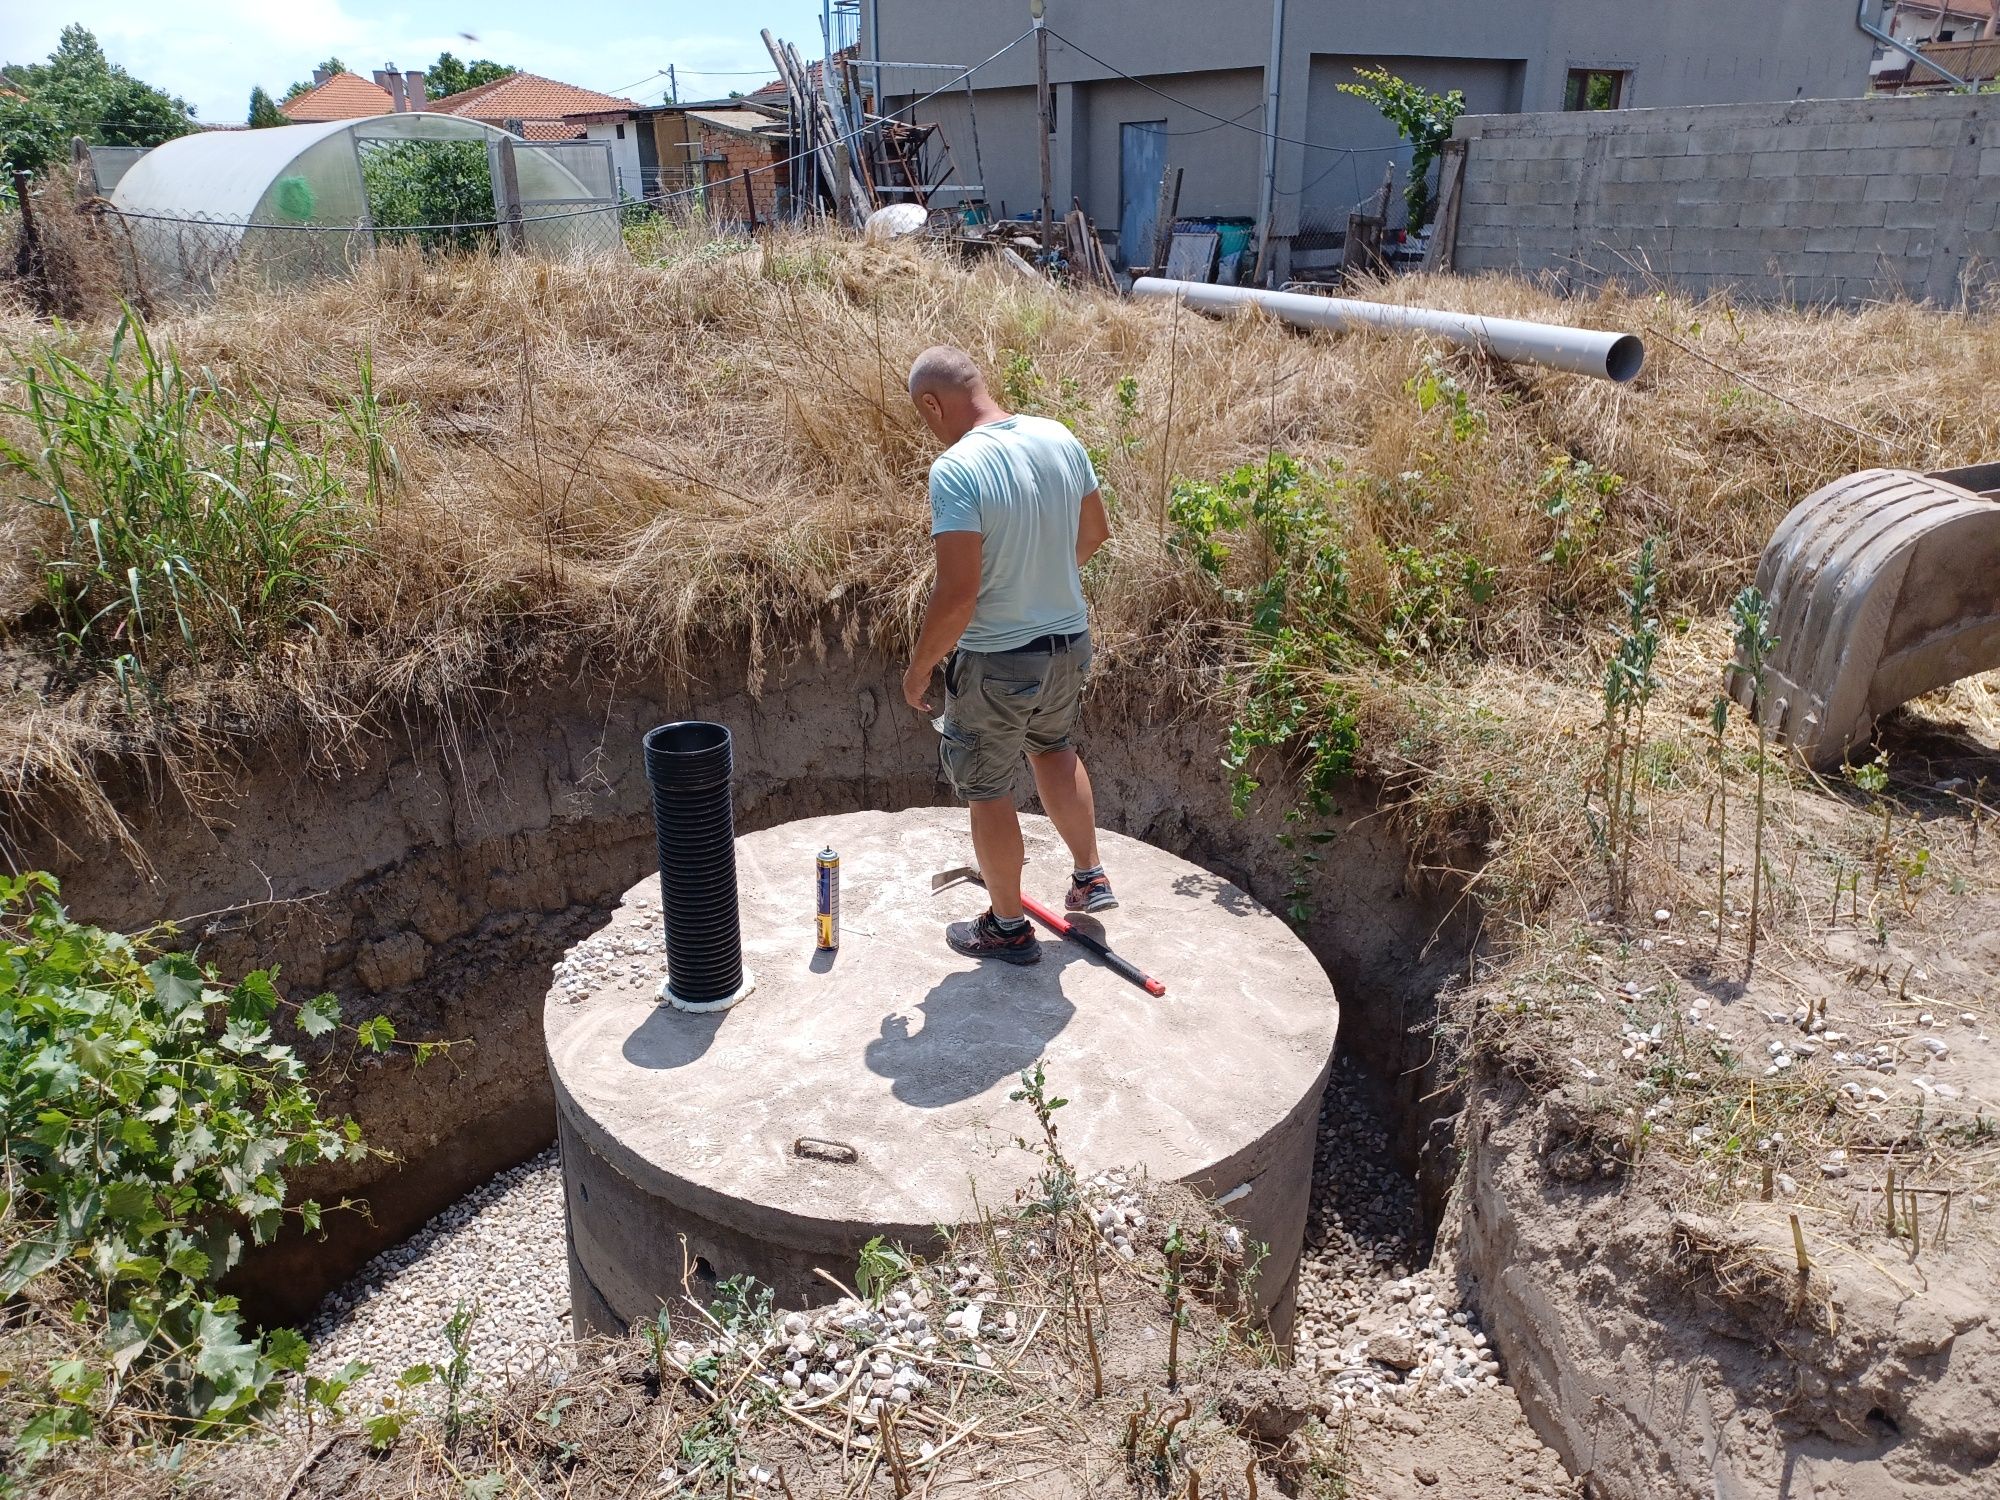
x=194, y=519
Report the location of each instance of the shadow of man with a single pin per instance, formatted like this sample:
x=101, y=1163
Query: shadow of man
x=980, y=1026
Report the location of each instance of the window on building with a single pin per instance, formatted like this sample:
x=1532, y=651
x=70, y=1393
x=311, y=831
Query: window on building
x=1594, y=88
x=621, y=131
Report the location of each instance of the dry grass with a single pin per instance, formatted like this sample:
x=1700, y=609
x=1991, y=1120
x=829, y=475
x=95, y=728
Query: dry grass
x=646, y=463
x=651, y=467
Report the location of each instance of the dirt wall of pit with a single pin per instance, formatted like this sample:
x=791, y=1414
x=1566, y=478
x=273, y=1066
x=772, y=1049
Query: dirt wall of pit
x=437, y=877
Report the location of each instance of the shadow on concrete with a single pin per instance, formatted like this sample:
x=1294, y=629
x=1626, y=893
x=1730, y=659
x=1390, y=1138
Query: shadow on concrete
x=1237, y=903
x=980, y=1026
x=670, y=1038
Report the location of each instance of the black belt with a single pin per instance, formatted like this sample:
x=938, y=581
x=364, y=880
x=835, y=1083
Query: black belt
x=1048, y=645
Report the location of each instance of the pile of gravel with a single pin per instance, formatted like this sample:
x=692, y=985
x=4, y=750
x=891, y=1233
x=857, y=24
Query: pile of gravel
x=498, y=1250
x=1373, y=1329
x=1371, y=1326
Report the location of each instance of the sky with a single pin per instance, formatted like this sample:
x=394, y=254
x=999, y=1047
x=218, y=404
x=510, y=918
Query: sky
x=212, y=52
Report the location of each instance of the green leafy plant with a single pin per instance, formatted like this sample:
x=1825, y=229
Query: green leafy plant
x=741, y=1302
x=440, y=192
x=1437, y=389
x=1572, y=493
x=1058, y=1177
x=1629, y=685
x=79, y=92
x=457, y=1372
x=1173, y=1287
x=148, y=1118
x=386, y=1425
x=1751, y=612
x=881, y=1266
x=1292, y=586
x=1422, y=118
x=194, y=519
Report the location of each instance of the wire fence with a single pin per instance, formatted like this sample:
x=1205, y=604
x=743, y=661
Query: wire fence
x=196, y=250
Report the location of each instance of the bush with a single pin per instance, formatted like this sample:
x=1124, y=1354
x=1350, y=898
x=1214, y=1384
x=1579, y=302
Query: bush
x=446, y=186
x=148, y=1118
x=194, y=519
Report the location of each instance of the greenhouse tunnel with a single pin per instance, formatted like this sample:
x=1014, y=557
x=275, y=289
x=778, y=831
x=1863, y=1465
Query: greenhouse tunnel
x=298, y=201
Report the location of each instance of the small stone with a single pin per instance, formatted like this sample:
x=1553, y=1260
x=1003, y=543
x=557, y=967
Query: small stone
x=1424, y=1474
x=1394, y=1350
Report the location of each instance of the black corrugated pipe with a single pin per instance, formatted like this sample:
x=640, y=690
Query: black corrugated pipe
x=688, y=765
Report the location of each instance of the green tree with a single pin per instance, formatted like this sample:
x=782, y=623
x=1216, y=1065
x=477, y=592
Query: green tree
x=448, y=76
x=305, y=86
x=79, y=92
x=264, y=111
x=1422, y=118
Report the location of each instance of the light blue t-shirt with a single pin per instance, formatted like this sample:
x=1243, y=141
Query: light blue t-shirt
x=1019, y=483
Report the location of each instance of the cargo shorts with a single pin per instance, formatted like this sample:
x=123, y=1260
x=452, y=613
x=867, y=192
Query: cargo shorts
x=1000, y=704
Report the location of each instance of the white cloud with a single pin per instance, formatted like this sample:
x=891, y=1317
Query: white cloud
x=212, y=52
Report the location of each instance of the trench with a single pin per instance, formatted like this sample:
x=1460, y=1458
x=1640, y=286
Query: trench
x=439, y=877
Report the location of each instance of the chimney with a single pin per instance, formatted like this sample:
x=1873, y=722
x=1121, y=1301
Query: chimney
x=320, y=76
x=414, y=90
x=391, y=83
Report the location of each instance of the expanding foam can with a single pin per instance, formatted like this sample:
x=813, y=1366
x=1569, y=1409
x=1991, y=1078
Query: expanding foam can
x=826, y=870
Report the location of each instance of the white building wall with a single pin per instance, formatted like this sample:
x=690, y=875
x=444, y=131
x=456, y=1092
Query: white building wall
x=623, y=140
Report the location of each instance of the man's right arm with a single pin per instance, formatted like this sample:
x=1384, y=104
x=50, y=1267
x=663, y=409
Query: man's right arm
x=1093, y=528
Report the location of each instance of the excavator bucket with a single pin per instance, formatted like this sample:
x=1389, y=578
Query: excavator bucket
x=1883, y=585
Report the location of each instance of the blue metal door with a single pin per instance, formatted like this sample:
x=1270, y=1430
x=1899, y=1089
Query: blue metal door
x=1142, y=157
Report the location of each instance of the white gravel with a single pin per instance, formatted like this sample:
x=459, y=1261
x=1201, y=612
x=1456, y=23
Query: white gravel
x=499, y=1249
x=1374, y=1329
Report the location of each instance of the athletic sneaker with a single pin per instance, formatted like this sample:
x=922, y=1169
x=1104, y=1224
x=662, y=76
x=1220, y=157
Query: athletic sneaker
x=982, y=938
x=1093, y=894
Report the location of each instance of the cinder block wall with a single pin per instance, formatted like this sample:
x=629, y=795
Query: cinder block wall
x=1819, y=200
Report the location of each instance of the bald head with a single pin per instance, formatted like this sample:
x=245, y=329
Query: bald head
x=942, y=370
x=950, y=393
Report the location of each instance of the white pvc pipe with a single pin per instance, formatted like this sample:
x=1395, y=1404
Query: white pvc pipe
x=1581, y=351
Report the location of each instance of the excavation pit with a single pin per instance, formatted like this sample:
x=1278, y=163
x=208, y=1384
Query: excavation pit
x=865, y=1092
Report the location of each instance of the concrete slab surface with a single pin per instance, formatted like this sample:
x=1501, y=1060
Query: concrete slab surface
x=901, y=1052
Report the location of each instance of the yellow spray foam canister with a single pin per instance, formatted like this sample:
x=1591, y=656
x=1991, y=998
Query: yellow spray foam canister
x=826, y=869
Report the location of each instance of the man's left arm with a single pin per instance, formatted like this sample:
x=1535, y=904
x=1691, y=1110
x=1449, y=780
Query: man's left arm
x=954, y=596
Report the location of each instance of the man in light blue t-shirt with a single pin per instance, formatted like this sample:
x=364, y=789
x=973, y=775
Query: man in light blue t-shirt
x=1015, y=514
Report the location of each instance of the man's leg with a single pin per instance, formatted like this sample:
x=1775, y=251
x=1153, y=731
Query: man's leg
x=996, y=844
x=1064, y=786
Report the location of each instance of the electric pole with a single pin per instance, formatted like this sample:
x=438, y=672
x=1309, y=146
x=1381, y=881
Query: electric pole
x=673, y=87
x=1042, y=103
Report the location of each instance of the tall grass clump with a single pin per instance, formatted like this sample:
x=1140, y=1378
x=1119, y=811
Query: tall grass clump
x=193, y=519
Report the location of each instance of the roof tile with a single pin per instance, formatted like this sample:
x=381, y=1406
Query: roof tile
x=525, y=96
x=345, y=96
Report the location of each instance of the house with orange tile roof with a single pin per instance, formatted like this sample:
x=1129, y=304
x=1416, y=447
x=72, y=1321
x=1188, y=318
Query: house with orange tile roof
x=337, y=96
x=529, y=105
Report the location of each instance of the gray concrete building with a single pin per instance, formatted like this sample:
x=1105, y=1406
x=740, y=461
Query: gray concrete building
x=1144, y=84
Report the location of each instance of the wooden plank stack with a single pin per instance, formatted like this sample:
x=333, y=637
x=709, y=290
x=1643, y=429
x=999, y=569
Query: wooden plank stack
x=821, y=134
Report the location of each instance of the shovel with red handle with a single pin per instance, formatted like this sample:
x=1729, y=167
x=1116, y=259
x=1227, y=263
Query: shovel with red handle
x=1062, y=927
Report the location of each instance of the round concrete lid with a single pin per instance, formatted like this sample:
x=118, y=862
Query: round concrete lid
x=904, y=1053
